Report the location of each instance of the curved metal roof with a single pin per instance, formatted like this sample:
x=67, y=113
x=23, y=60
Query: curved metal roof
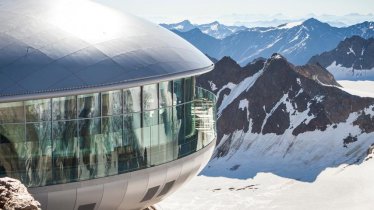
x=55, y=47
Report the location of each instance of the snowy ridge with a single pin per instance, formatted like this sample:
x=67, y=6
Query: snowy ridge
x=282, y=120
x=300, y=157
x=245, y=85
x=344, y=73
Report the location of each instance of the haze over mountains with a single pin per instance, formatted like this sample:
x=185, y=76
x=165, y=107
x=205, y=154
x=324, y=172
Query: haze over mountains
x=297, y=41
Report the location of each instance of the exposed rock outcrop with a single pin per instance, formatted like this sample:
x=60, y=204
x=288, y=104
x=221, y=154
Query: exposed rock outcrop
x=14, y=196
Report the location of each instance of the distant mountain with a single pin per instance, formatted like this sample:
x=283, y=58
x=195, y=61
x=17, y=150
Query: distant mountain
x=214, y=29
x=352, y=59
x=289, y=120
x=183, y=26
x=297, y=41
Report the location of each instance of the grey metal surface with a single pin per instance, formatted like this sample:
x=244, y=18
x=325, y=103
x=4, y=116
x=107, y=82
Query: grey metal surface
x=125, y=191
x=51, y=47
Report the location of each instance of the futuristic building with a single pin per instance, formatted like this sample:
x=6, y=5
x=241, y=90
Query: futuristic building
x=99, y=109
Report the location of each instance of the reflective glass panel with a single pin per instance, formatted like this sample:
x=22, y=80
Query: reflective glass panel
x=132, y=100
x=65, y=151
x=38, y=154
x=178, y=96
x=131, y=154
x=166, y=94
x=90, y=148
x=12, y=112
x=64, y=108
x=89, y=105
x=13, y=151
x=111, y=103
x=150, y=99
x=112, y=140
x=189, y=89
x=38, y=110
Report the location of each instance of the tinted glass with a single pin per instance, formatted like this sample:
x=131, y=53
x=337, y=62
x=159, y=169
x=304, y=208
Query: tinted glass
x=112, y=103
x=89, y=105
x=38, y=110
x=132, y=100
x=64, y=108
x=166, y=94
x=12, y=112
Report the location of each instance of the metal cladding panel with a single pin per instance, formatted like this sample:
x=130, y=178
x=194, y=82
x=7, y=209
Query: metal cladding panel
x=62, y=200
x=64, y=45
x=113, y=195
x=89, y=195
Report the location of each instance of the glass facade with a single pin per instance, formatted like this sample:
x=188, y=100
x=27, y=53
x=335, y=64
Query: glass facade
x=67, y=139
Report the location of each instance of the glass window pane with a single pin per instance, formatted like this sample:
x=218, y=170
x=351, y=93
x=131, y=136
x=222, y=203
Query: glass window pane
x=131, y=100
x=39, y=154
x=131, y=154
x=166, y=94
x=90, y=142
x=112, y=140
x=12, y=112
x=12, y=133
x=150, y=99
x=189, y=89
x=13, y=150
x=65, y=151
x=38, y=110
x=178, y=96
x=64, y=108
x=89, y=105
x=112, y=103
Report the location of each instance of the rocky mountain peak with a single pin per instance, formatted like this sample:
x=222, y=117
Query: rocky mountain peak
x=352, y=59
x=271, y=113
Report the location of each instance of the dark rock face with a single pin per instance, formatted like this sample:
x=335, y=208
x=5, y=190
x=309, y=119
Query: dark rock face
x=354, y=52
x=14, y=196
x=280, y=95
x=318, y=73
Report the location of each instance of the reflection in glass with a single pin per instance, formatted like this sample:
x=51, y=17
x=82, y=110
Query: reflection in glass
x=112, y=103
x=178, y=96
x=65, y=151
x=131, y=155
x=38, y=153
x=38, y=110
x=132, y=100
x=89, y=105
x=150, y=119
x=12, y=112
x=64, y=108
x=151, y=132
x=12, y=150
x=112, y=140
x=166, y=94
x=189, y=88
x=90, y=142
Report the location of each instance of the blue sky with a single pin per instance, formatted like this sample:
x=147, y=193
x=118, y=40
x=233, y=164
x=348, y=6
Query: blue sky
x=241, y=11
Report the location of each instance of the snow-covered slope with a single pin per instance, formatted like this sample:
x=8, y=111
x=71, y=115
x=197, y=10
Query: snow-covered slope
x=298, y=42
x=344, y=188
x=290, y=121
x=352, y=59
x=359, y=88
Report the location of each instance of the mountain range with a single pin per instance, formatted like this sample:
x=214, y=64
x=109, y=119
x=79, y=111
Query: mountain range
x=352, y=59
x=213, y=29
x=297, y=41
x=293, y=121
